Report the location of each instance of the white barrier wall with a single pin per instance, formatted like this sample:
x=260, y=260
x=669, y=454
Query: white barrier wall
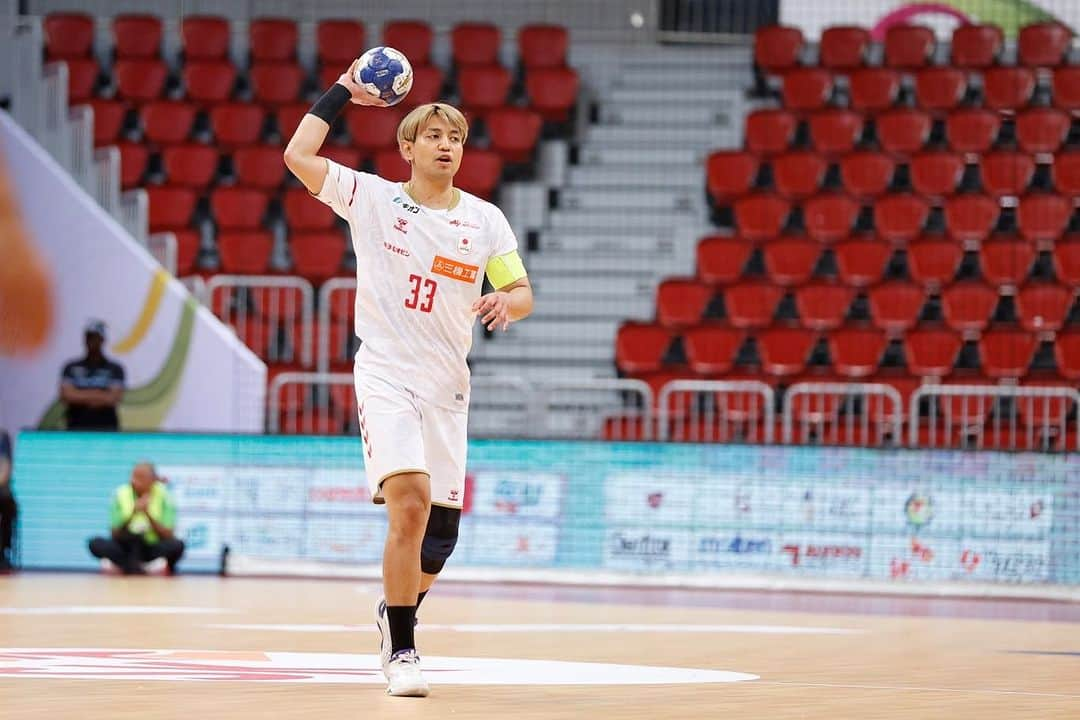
x=185, y=370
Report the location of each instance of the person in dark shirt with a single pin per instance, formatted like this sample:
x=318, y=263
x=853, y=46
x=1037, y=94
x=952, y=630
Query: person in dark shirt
x=8, y=509
x=93, y=386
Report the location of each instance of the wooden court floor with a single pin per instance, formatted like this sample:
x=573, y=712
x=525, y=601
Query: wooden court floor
x=88, y=647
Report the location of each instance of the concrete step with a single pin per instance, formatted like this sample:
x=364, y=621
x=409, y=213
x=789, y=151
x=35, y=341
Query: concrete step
x=632, y=243
x=635, y=136
x=590, y=265
x=604, y=154
x=672, y=95
x=711, y=76
x=658, y=199
x=548, y=284
x=566, y=329
x=671, y=176
x=618, y=307
x=546, y=351
x=546, y=372
x=622, y=220
x=649, y=114
x=496, y=422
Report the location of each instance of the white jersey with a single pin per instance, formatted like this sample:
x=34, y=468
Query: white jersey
x=418, y=272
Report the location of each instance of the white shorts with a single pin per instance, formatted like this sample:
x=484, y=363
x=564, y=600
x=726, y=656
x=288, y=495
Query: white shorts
x=401, y=432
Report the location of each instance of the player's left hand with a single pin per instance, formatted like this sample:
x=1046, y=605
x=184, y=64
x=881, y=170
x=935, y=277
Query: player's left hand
x=494, y=309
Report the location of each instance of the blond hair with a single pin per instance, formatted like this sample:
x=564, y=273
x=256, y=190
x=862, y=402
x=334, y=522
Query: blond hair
x=420, y=115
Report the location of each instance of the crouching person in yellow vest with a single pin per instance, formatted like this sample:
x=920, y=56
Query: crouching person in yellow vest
x=142, y=518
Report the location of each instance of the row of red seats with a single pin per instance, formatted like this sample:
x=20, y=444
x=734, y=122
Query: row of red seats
x=935, y=174
x=905, y=131
x=855, y=352
x=777, y=49
x=932, y=260
x=937, y=89
x=895, y=306
x=338, y=42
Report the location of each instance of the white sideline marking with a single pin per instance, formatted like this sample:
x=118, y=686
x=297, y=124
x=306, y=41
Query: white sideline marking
x=559, y=627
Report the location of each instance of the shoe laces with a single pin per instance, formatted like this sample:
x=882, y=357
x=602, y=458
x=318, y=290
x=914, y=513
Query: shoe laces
x=406, y=656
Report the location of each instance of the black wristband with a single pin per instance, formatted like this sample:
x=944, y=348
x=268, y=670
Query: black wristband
x=332, y=102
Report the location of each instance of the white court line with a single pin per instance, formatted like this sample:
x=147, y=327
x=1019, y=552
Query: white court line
x=914, y=688
x=112, y=610
x=565, y=628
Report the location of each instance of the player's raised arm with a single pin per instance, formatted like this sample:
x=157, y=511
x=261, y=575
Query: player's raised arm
x=302, y=152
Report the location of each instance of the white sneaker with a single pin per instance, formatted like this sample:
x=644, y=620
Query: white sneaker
x=386, y=647
x=403, y=674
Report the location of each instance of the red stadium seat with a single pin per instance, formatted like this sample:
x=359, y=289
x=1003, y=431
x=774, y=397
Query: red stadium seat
x=967, y=306
x=777, y=48
x=133, y=160
x=317, y=256
x=835, y=131
x=475, y=44
x=843, y=47
x=68, y=35
x=807, y=89
x=729, y=174
x=235, y=124
x=1066, y=173
x=940, y=88
x=187, y=251
x=236, y=208
x=339, y=42
x=170, y=207
x=244, y=253
x=976, y=46
x=167, y=122
x=259, y=166
x=1043, y=45
x=328, y=75
x=1043, y=218
x=899, y=218
x=272, y=40
x=873, y=89
x=721, y=259
x=908, y=47
x=972, y=130
x=543, y=46
x=936, y=174
x=288, y=118
x=514, y=133
x=1065, y=87
x=790, y=260
x=681, y=302
x=866, y=174
x=970, y=218
x=190, y=165
x=931, y=352
x=426, y=87
x=205, y=37
x=479, y=173
x=798, y=174
x=274, y=83
x=1067, y=355
x=342, y=155
x=304, y=213
x=895, y=306
x=1006, y=173
x=785, y=351
x=82, y=78
x=137, y=36
x=373, y=128
x=856, y=352
x=829, y=217
x=552, y=92
x=208, y=81
x=769, y=131
x=933, y=262
x=1043, y=307
x=640, y=348
x=712, y=349
x=903, y=131
x=1067, y=261
x=823, y=306
x=751, y=304
x=1006, y=353
x=1008, y=88
x=1042, y=130
x=1006, y=261
x=108, y=120
x=390, y=165
x=861, y=262
x=760, y=216
x=139, y=80
x=412, y=37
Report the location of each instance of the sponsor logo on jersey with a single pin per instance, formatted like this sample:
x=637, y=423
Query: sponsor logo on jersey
x=389, y=247
x=464, y=223
x=454, y=270
x=406, y=206
x=401, y=225
x=464, y=246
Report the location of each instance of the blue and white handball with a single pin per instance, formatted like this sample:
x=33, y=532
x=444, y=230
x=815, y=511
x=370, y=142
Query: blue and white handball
x=385, y=73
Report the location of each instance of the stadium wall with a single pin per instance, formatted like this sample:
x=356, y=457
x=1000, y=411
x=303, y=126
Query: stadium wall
x=185, y=370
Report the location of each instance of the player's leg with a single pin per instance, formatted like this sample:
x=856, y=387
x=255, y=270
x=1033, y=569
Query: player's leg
x=408, y=501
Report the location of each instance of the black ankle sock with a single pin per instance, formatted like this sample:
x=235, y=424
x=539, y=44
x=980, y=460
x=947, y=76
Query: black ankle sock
x=420, y=599
x=401, y=619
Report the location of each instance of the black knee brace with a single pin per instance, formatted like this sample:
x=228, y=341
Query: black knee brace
x=439, y=538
